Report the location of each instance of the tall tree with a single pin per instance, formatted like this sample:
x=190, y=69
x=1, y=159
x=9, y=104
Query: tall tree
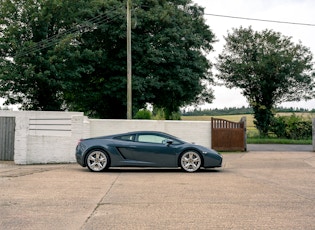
x=79, y=59
x=172, y=66
x=169, y=42
x=29, y=32
x=269, y=69
x=17, y=29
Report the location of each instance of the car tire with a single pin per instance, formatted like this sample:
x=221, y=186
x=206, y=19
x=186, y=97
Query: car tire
x=97, y=161
x=190, y=161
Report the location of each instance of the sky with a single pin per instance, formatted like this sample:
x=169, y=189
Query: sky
x=295, y=11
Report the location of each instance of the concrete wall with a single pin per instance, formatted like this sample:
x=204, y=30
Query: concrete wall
x=46, y=137
x=51, y=137
x=198, y=132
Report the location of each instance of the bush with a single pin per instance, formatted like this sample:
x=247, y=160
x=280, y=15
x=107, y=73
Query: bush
x=291, y=127
x=159, y=114
x=175, y=116
x=143, y=114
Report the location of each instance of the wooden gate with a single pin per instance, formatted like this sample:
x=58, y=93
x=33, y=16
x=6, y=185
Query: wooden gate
x=228, y=135
x=7, y=134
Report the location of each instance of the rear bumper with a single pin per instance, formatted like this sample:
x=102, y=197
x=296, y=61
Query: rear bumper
x=79, y=157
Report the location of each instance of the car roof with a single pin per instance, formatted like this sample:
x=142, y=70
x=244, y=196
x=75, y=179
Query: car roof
x=145, y=132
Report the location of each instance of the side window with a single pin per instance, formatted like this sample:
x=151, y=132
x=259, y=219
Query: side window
x=149, y=138
x=176, y=142
x=126, y=138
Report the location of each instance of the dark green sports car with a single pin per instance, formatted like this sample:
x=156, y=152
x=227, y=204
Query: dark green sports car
x=144, y=149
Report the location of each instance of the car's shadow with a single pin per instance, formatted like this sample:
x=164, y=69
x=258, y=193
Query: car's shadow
x=151, y=170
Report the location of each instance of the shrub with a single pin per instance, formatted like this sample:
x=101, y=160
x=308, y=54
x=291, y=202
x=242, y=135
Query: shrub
x=291, y=127
x=158, y=114
x=143, y=114
x=175, y=116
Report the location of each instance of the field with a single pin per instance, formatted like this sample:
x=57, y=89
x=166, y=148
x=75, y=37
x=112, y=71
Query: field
x=237, y=118
x=234, y=118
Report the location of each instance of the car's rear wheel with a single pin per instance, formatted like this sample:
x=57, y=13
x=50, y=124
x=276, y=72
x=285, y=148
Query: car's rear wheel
x=97, y=160
x=190, y=161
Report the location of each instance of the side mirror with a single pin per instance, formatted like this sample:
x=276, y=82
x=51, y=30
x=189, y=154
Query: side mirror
x=169, y=141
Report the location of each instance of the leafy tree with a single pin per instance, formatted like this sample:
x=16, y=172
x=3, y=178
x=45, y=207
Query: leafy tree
x=29, y=35
x=67, y=54
x=269, y=69
x=171, y=66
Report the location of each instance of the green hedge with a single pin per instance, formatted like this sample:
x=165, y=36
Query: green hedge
x=291, y=127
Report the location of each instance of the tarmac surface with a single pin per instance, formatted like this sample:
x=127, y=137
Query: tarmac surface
x=253, y=190
x=279, y=148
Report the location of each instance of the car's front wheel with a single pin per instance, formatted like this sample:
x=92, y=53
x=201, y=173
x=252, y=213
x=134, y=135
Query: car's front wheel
x=190, y=161
x=97, y=160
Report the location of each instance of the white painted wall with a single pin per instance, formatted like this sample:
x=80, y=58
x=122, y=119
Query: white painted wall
x=198, y=132
x=40, y=139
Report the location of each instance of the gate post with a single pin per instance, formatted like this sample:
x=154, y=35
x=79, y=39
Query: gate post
x=243, y=119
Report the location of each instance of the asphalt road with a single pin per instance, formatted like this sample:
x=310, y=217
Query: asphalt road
x=253, y=190
x=279, y=148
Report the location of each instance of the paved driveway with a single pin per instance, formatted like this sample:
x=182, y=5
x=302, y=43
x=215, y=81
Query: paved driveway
x=254, y=190
x=279, y=148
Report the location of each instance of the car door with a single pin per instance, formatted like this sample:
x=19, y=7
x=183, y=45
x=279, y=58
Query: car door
x=150, y=150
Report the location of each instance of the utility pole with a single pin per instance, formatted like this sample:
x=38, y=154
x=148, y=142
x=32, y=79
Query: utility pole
x=129, y=78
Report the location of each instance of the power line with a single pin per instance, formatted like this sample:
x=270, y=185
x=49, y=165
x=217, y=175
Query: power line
x=261, y=20
x=100, y=19
x=80, y=28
